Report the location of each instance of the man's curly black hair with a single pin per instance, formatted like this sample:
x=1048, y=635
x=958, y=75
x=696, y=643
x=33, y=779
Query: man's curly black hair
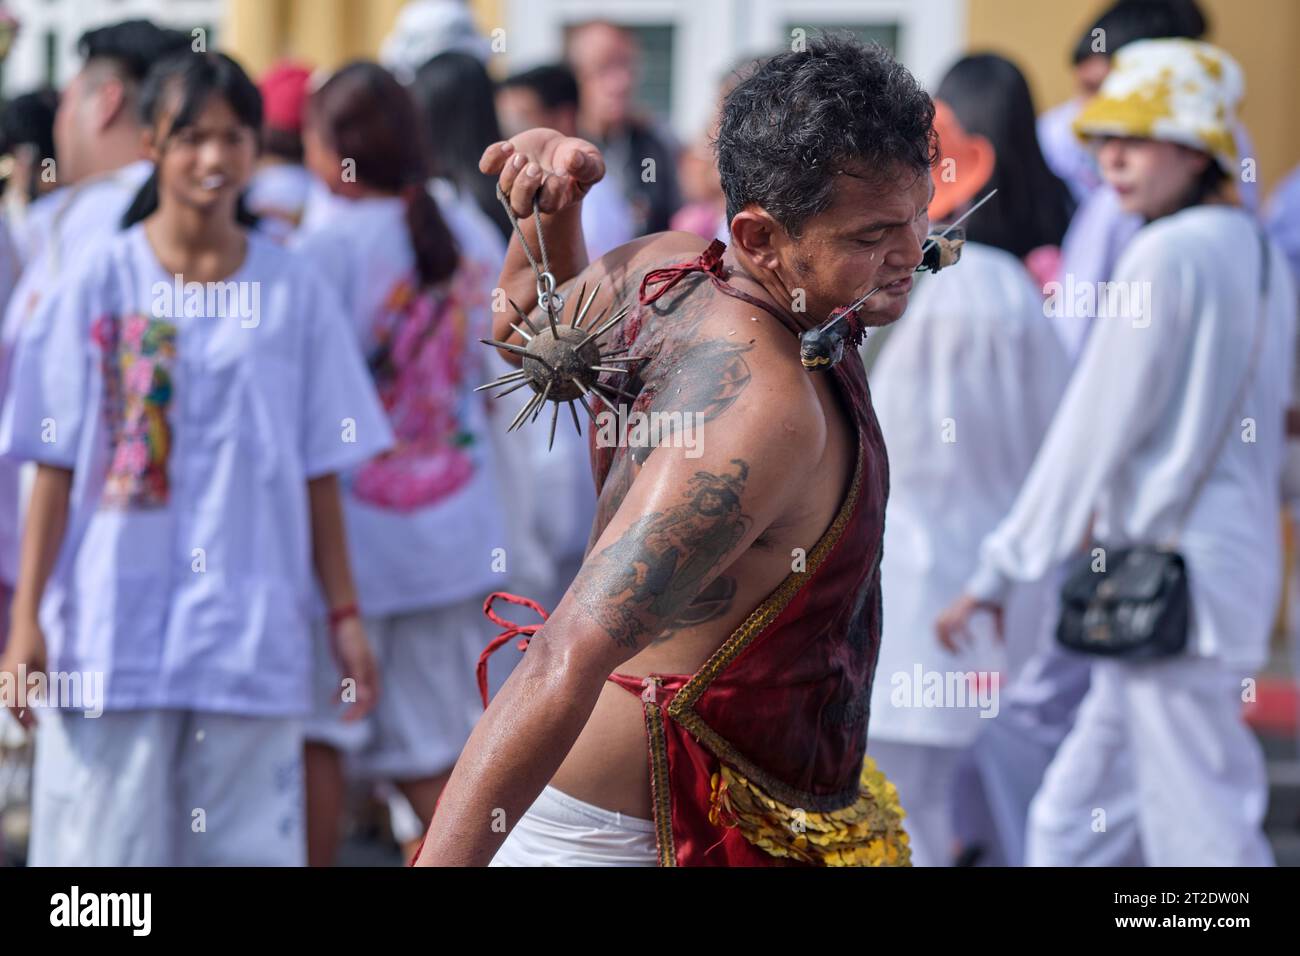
x=800, y=117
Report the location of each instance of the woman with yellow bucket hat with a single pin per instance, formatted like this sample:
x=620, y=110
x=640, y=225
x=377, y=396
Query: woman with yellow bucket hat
x=1168, y=443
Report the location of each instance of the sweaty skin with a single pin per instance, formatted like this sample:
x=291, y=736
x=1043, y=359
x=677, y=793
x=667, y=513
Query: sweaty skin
x=683, y=548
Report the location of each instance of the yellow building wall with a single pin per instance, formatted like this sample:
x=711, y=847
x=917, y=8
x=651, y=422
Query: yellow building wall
x=1037, y=34
x=1040, y=35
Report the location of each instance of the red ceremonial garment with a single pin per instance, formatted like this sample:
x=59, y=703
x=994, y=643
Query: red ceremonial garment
x=759, y=757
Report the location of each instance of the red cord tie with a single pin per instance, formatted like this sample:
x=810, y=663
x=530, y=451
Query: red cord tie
x=511, y=630
x=710, y=261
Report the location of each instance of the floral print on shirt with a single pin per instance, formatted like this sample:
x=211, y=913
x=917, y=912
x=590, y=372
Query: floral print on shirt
x=137, y=356
x=419, y=368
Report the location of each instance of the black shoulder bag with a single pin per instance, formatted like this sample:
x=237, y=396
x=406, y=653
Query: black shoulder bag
x=1139, y=606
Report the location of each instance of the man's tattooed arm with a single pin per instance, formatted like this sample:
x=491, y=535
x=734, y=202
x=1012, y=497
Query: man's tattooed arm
x=650, y=575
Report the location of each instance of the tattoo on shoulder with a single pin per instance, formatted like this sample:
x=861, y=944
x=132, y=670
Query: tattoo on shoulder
x=645, y=582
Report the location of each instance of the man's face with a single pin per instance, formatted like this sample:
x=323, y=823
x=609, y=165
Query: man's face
x=870, y=235
x=605, y=63
x=519, y=109
x=74, y=127
x=1089, y=74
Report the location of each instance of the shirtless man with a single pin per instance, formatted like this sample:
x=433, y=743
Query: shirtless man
x=824, y=158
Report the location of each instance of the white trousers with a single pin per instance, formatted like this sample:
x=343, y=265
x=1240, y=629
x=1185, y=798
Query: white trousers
x=924, y=776
x=560, y=830
x=167, y=788
x=1160, y=767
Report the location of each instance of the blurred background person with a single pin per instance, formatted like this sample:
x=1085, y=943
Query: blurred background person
x=422, y=519
x=30, y=173
x=965, y=389
x=279, y=190
x=1147, y=449
x=640, y=157
x=457, y=99
x=547, y=96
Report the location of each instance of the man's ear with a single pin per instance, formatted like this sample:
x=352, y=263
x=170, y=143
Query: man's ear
x=756, y=233
x=110, y=102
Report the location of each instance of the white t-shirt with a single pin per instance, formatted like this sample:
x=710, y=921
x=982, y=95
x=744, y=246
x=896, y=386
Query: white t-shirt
x=964, y=387
x=1142, y=415
x=192, y=428
x=277, y=194
x=61, y=230
x=424, y=520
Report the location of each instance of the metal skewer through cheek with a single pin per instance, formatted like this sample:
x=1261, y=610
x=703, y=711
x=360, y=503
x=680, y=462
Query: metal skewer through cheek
x=929, y=243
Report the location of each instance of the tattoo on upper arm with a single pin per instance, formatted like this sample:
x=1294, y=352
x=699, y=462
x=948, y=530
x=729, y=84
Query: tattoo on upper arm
x=645, y=581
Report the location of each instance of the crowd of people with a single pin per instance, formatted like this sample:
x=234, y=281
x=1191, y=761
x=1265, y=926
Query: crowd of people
x=252, y=501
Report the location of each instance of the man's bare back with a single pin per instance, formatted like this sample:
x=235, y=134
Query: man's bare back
x=709, y=354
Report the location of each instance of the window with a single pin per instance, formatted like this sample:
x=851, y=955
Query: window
x=886, y=34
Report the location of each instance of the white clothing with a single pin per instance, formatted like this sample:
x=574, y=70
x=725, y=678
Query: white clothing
x=606, y=219
x=428, y=704
x=1144, y=411
x=560, y=830
x=55, y=239
x=1159, y=768
x=167, y=788
x=277, y=195
x=424, y=524
x=185, y=574
x=964, y=389
x=924, y=777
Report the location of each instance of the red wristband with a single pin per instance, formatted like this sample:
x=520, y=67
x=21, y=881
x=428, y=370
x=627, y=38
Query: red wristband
x=340, y=614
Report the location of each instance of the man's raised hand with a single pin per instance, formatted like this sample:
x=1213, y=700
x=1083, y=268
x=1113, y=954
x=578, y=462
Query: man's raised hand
x=557, y=169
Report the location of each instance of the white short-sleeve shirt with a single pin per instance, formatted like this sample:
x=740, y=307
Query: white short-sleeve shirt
x=193, y=417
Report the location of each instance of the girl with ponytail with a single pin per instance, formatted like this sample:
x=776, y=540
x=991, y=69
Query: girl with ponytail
x=423, y=520
x=182, y=394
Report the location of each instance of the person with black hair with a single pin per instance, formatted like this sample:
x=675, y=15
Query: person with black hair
x=27, y=143
x=457, y=105
x=188, y=395
x=727, y=616
x=547, y=97
x=965, y=389
x=1123, y=22
x=99, y=167
x=1168, y=441
x=423, y=518
x=642, y=155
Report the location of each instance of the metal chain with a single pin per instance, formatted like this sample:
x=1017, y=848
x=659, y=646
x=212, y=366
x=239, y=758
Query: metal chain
x=546, y=295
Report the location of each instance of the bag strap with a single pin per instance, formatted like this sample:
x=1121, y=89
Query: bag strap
x=1239, y=401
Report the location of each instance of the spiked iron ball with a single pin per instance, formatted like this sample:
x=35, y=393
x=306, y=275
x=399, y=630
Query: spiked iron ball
x=563, y=362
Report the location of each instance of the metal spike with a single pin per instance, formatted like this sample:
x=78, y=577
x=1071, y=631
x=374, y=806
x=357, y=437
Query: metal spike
x=555, y=417
x=503, y=380
x=522, y=351
x=546, y=391
x=583, y=398
x=574, y=412
x=617, y=391
x=513, y=388
x=582, y=313
x=523, y=413
x=606, y=368
x=520, y=312
x=614, y=320
x=527, y=337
